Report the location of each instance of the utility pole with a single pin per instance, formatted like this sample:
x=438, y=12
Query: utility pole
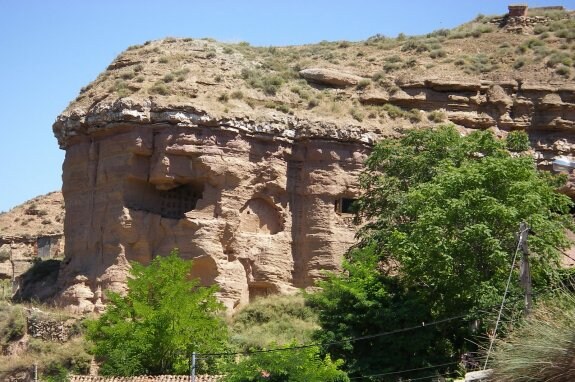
x=193, y=368
x=524, y=270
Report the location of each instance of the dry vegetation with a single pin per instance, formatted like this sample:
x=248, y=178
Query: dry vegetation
x=39, y=216
x=273, y=321
x=239, y=79
x=20, y=351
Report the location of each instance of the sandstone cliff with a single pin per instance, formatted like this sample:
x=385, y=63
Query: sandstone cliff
x=31, y=231
x=246, y=159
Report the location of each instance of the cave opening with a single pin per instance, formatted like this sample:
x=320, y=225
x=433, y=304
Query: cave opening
x=346, y=206
x=170, y=204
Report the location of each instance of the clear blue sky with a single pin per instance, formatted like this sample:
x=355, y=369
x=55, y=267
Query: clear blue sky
x=51, y=48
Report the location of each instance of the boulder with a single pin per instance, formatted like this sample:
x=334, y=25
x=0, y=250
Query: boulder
x=330, y=77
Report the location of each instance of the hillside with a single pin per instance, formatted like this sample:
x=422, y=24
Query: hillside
x=260, y=83
x=42, y=215
x=247, y=159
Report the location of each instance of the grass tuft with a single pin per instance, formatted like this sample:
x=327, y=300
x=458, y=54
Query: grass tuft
x=542, y=348
x=277, y=319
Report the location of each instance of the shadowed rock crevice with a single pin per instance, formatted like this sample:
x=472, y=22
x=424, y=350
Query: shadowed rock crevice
x=170, y=204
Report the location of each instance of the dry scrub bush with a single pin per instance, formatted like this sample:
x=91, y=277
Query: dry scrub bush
x=542, y=348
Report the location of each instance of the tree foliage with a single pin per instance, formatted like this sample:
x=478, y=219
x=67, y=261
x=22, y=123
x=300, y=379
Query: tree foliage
x=164, y=317
x=297, y=365
x=442, y=213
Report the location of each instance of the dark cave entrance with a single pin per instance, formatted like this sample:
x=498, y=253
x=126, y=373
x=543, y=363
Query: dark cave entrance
x=345, y=206
x=170, y=204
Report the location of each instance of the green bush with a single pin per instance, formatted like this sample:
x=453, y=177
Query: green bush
x=159, y=88
x=439, y=33
x=312, y=103
x=356, y=114
x=4, y=255
x=414, y=115
x=277, y=319
x=538, y=29
x=362, y=84
x=55, y=372
x=437, y=216
x=479, y=63
x=437, y=53
x=283, y=107
x=517, y=141
x=181, y=74
x=237, y=94
x=391, y=66
x=269, y=83
x=559, y=58
x=415, y=45
x=563, y=71
x=436, y=116
x=121, y=88
x=519, y=62
x=168, y=78
x=12, y=323
x=299, y=365
x=164, y=317
x=394, y=112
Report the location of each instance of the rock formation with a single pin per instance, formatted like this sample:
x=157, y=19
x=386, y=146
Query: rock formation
x=248, y=162
x=256, y=212
x=31, y=231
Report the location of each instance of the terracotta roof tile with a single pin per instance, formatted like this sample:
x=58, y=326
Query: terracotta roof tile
x=145, y=378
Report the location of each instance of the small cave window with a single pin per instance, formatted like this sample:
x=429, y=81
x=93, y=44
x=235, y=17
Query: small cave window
x=177, y=201
x=171, y=204
x=345, y=206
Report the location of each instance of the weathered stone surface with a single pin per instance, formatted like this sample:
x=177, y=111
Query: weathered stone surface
x=245, y=168
x=257, y=215
x=253, y=202
x=374, y=97
x=330, y=77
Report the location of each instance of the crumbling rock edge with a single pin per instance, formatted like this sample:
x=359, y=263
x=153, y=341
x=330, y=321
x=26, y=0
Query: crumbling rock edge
x=255, y=200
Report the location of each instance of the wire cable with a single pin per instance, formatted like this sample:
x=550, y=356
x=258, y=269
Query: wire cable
x=566, y=255
x=504, y=296
x=382, y=334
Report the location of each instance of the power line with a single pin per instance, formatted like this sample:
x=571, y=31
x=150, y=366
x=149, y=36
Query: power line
x=566, y=255
x=406, y=371
x=382, y=334
x=353, y=339
x=519, y=242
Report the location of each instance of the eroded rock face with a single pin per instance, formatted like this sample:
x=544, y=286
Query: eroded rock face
x=259, y=205
x=256, y=213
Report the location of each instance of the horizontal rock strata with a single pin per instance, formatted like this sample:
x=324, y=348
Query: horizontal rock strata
x=257, y=205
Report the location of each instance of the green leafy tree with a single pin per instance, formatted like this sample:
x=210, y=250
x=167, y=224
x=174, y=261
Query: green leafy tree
x=297, y=365
x=442, y=214
x=164, y=317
